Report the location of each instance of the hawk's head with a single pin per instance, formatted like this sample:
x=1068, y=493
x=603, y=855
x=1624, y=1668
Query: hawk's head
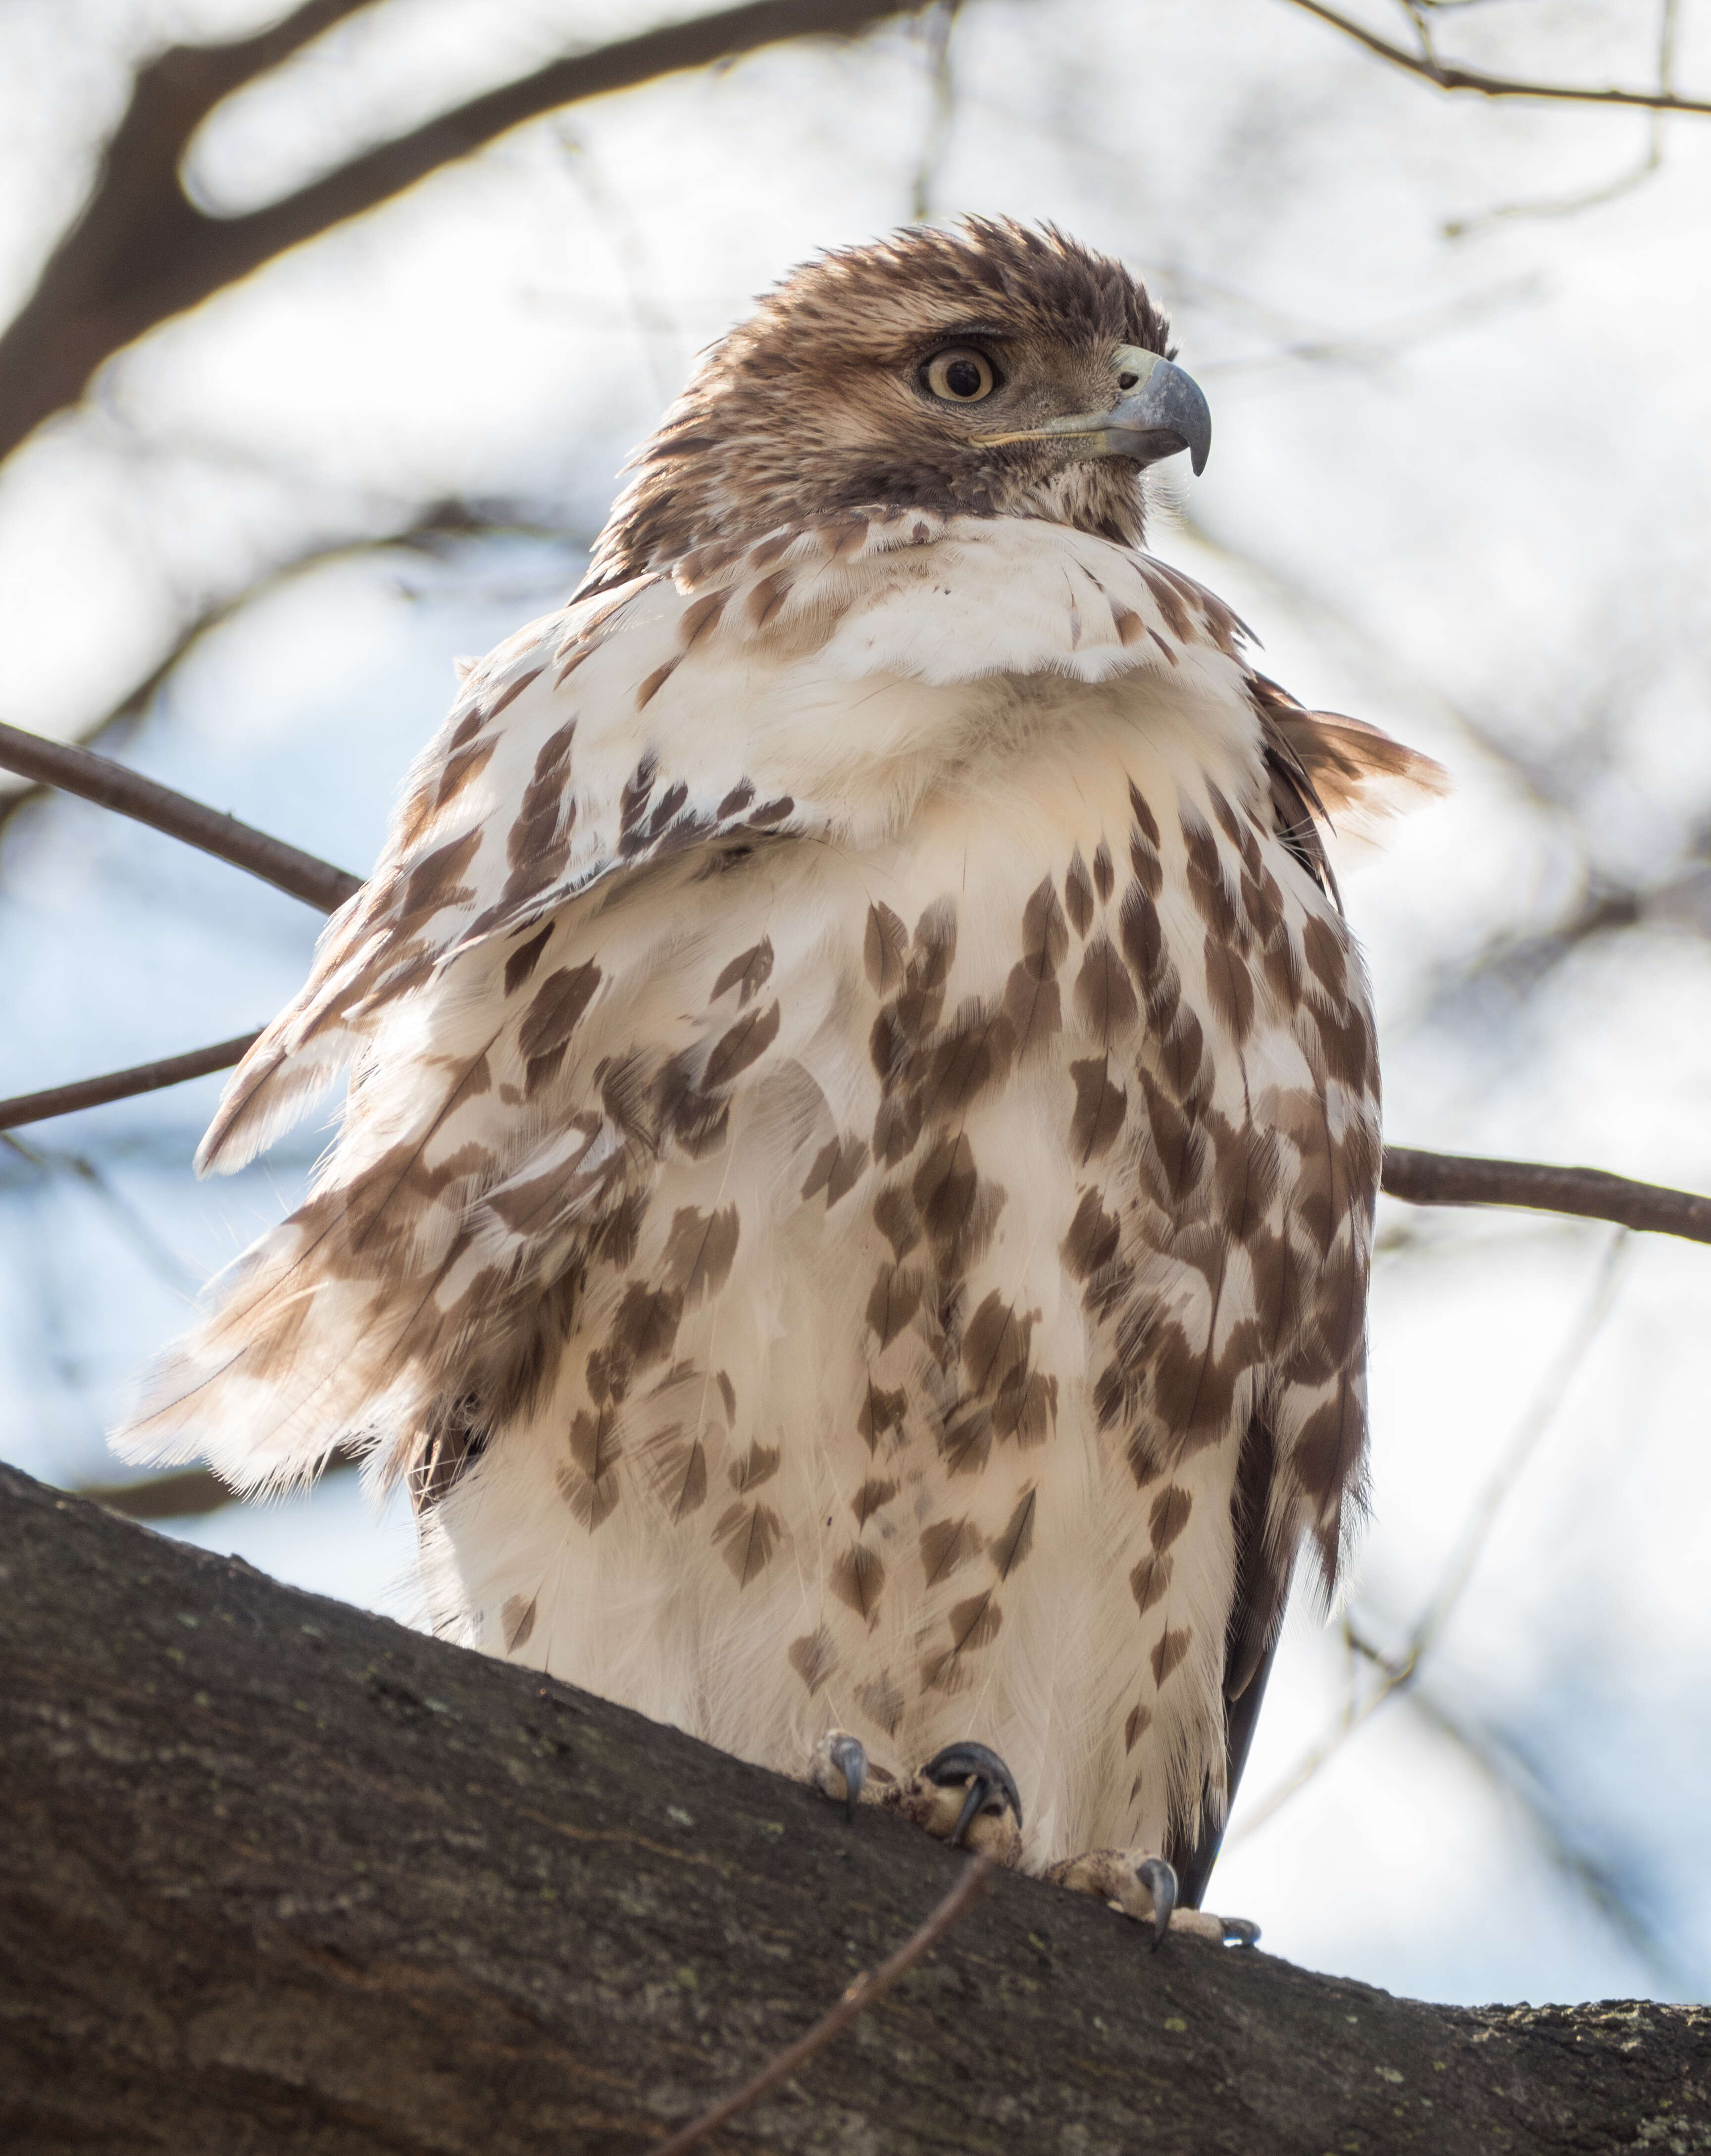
x=989, y=371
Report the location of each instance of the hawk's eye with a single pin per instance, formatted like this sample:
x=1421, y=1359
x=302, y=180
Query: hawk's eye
x=962, y=376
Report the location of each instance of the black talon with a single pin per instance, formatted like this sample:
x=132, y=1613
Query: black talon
x=1241, y=1932
x=1159, y=1879
x=987, y=1776
x=847, y=1756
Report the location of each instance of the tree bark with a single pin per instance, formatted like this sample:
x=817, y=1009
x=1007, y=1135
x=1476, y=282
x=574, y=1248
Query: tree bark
x=282, y=1875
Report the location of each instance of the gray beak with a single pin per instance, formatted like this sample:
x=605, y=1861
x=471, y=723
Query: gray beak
x=1163, y=413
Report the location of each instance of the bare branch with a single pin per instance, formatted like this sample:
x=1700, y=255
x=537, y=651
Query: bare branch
x=140, y=251
x=975, y=1881
x=938, y=24
x=185, y=1493
x=1448, y=1178
x=422, y=530
x=1418, y=1179
x=111, y=785
x=133, y=1225
x=1444, y=75
x=122, y=1084
x=1624, y=183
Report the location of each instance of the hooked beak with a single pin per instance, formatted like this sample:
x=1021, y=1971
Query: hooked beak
x=1163, y=413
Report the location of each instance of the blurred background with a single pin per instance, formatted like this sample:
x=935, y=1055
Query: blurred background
x=1455, y=347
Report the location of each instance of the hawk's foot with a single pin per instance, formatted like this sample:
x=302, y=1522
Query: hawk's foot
x=839, y=1769
x=967, y=1796
x=1143, y=1887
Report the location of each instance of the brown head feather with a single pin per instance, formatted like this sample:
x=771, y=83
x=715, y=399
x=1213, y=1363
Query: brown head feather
x=815, y=405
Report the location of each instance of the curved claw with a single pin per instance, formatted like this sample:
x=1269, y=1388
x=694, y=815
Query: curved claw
x=847, y=1755
x=1159, y=1879
x=1240, y=1932
x=987, y=1776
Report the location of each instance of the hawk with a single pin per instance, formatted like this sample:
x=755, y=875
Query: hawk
x=851, y=1217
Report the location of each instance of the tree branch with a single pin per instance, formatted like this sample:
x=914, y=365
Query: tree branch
x=123, y=1085
x=1418, y=1179
x=426, y=528
x=278, y=1874
x=1445, y=75
x=1448, y=1178
x=140, y=251
x=112, y=785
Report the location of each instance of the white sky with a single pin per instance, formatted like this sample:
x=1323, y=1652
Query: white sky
x=1484, y=516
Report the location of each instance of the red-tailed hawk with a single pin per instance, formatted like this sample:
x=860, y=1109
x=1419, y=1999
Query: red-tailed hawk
x=852, y=1214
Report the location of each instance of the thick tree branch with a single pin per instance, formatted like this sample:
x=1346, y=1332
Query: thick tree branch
x=140, y=251
x=280, y=1875
x=111, y=785
x=1444, y=75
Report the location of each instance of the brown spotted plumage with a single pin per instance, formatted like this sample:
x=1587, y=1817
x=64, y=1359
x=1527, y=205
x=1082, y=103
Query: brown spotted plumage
x=854, y=1204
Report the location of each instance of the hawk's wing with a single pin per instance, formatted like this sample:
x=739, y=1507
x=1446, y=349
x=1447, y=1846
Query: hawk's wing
x=531, y=794
x=476, y=1162
x=1327, y=771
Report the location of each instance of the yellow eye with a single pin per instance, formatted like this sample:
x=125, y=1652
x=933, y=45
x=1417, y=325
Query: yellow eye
x=961, y=377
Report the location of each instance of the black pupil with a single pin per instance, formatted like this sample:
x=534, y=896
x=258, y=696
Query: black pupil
x=962, y=377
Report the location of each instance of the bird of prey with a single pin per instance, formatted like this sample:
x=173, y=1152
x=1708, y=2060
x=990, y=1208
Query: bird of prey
x=852, y=1212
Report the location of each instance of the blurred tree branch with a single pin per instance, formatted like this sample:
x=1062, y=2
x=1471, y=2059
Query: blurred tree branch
x=112, y=785
x=124, y=1085
x=1444, y=75
x=419, y=529
x=1649, y=163
x=140, y=251
x=1440, y=1178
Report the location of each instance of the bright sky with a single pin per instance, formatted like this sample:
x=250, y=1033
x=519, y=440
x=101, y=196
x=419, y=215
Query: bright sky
x=1459, y=486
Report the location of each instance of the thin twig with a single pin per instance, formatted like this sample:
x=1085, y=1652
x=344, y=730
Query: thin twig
x=975, y=1880
x=131, y=1223
x=1609, y=190
x=428, y=530
x=1506, y=1766
x=1448, y=1178
x=122, y=1084
x=114, y=785
x=938, y=24
x=1444, y=75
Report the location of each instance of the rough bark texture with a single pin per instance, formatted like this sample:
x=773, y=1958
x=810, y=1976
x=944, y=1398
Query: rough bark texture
x=280, y=1875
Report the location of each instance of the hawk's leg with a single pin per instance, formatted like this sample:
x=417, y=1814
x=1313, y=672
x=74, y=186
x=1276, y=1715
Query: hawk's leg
x=964, y=1794
x=1143, y=1887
